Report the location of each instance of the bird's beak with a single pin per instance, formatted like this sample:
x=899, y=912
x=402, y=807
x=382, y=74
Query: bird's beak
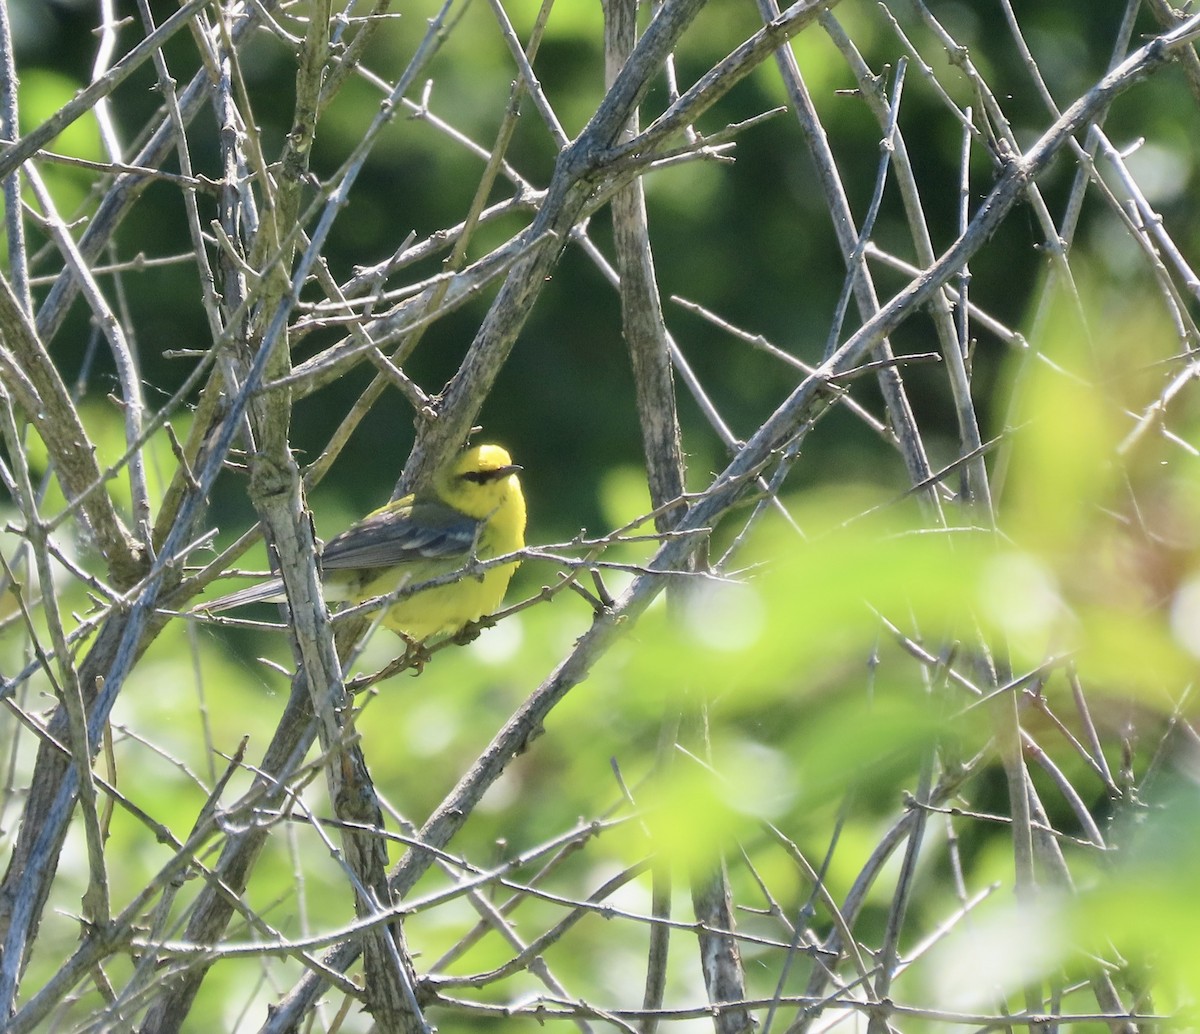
x=512, y=468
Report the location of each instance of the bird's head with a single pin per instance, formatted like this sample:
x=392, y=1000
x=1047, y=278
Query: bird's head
x=480, y=480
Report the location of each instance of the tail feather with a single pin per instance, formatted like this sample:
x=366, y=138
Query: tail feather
x=266, y=592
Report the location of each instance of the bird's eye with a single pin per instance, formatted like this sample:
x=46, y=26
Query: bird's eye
x=478, y=477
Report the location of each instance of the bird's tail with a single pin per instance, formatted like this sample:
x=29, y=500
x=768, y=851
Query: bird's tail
x=266, y=592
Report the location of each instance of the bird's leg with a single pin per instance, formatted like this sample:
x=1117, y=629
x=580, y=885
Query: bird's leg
x=416, y=654
x=470, y=631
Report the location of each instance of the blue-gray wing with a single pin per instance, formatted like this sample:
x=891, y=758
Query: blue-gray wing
x=416, y=531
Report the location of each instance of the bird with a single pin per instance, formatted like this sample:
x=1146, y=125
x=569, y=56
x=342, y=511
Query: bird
x=473, y=508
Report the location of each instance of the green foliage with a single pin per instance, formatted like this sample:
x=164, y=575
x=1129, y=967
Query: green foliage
x=806, y=605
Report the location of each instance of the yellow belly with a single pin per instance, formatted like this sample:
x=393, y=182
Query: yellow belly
x=444, y=608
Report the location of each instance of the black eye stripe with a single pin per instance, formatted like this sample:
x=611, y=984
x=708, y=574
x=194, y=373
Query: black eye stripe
x=481, y=477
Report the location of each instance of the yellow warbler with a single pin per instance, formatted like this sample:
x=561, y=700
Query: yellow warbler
x=472, y=508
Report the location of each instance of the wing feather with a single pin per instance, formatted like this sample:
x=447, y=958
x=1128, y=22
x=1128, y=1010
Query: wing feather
x=415, y=531
x=421, y=530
